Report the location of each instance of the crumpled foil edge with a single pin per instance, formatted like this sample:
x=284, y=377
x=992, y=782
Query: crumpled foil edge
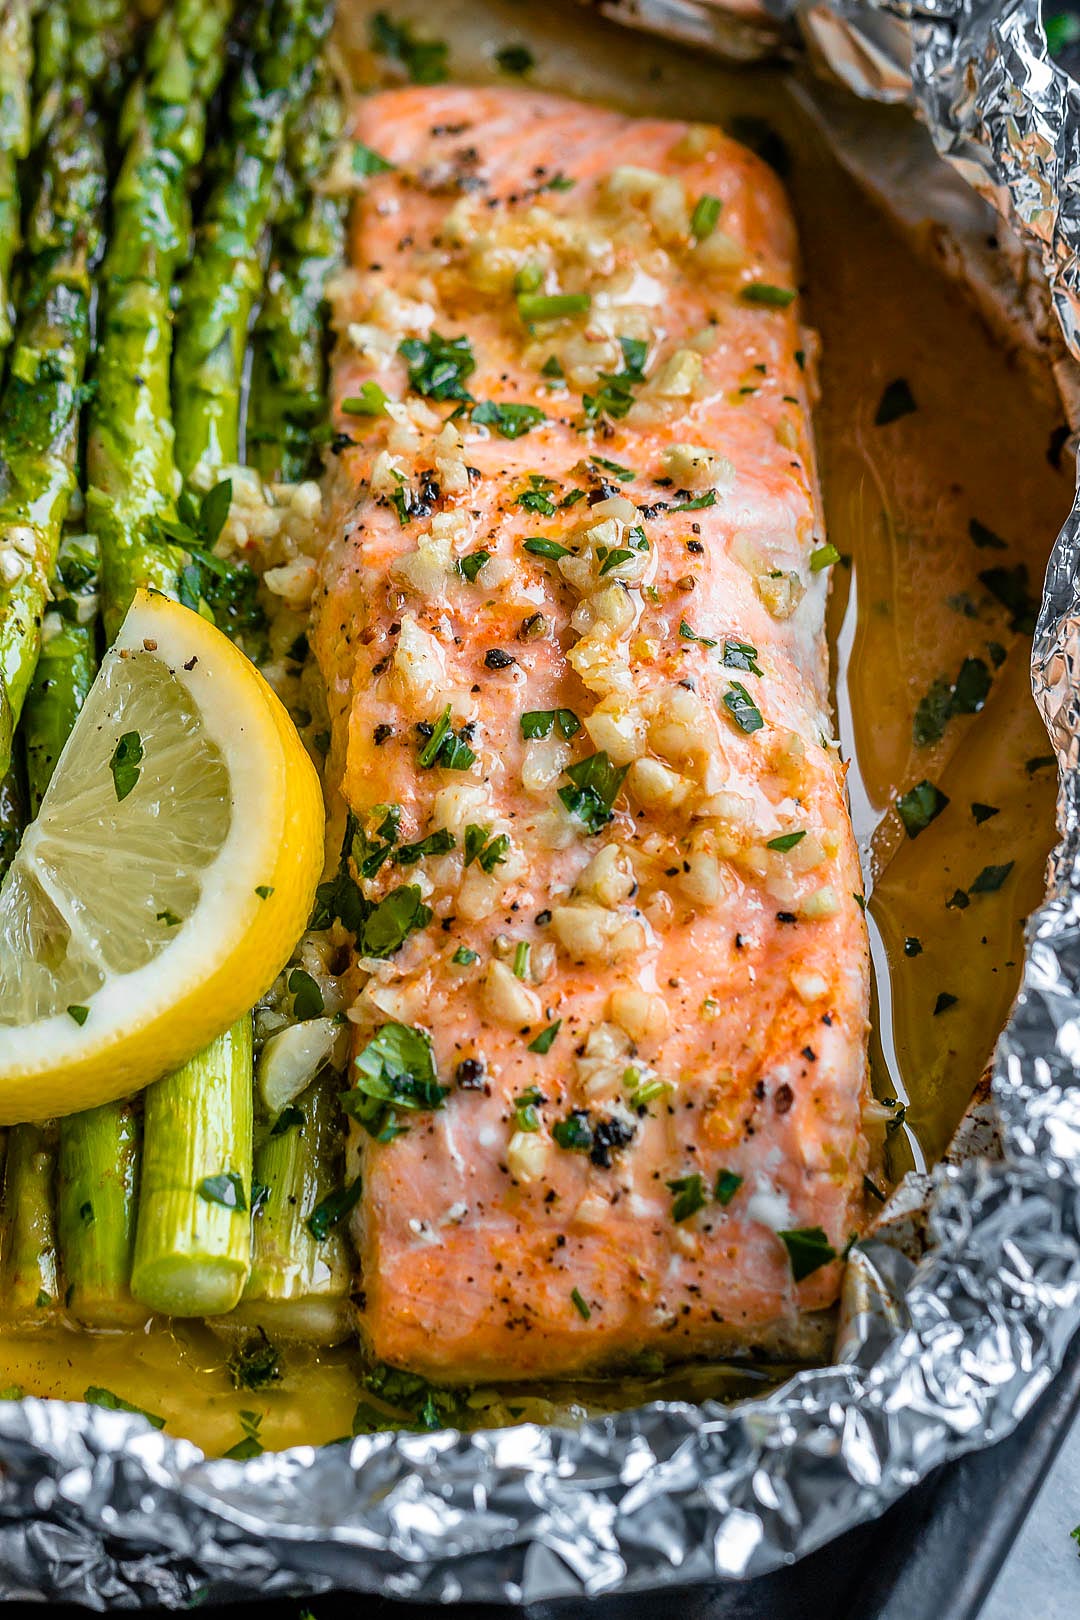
x=938, y=1356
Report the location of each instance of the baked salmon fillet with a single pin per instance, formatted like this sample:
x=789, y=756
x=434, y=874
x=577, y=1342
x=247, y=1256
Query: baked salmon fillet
x=610, y=1061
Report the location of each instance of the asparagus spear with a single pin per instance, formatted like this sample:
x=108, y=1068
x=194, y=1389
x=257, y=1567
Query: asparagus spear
x=39, y=406
x=133, y=482
x=299, y=1283
x=12, y=812
x=66, y=664
x=287, y=390
x=15, y=126
x=97, y=1183
x=29, y=1282
x=226, y=273
x=193, y=1241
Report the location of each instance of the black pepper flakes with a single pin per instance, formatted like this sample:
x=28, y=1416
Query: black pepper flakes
x=496, y=658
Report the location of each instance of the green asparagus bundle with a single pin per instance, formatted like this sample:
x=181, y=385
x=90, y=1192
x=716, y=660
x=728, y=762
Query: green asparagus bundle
x=16, y=57
x=39, y=405
x=287, y=389
x=226, y=274
x=132, y=476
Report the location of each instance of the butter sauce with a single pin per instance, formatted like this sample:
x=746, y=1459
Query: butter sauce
x=907, y=609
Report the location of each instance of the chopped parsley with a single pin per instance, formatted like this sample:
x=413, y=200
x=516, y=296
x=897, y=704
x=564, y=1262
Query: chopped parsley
x=808, y=1250
x=985, y=538
x=552, y=367
x=250, y=1446
x=540, y=722
x=896, y=401
x=79, y=1014
x=698, y=504
x=625, y=475
x=944, y=1002
x=226, y=1189
x=726, y=1186
x=765, y=294
x=610, y=560
x=471, y=565
x=389, y=923
x=965, y=695
x=691, y=635
x=786, y=841
x=525, y=1116
x=366, y=161
x=436, y=843
x=264, y=890
x=616, y=392
x=509, y=421
x=370, y=401
x=169, y=918
x=288, y=1120
x=824, y=557
x=396, y=1070
x=125, y=762
x=445, y=747
x=539, y=547
x=741, y=655
x=919, y=806
x=580, y=1304
x=255, y=1363
x=307, y=997
x=546, y=1038
x=983, y=812
x=536, y=306
x=96, y=1396
x=991, y=878
x=595, y=786
x=516, y=59
x=574, y=1133
x=704, y=219
x=464, y=957
x=537, y=498
x=688, y=1196
x=333, y=1209
x=742, y=708
x=438, y=366
x=424, y=60
x=1010, y=587
x=477, y=848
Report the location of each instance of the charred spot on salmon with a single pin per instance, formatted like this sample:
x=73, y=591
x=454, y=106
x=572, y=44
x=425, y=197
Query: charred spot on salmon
x=469, y=1074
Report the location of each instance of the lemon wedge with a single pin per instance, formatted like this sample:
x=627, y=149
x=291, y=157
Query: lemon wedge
x=170, y=871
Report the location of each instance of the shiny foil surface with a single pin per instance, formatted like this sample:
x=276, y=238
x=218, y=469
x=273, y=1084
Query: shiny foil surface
x=937, y=1355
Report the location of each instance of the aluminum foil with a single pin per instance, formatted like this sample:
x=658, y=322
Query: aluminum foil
x=943, y=1348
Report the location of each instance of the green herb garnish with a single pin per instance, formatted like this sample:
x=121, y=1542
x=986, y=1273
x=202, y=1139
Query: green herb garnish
x=546, y=1038
x=438, y=366
x=540, y=722
x=464, y=957
x=688, y=1197
x=370, y=401
x=919, y=806
x=226, y=1189
x=786, y=841
x=824, y=557
x=535, y=306
x=580, y=1304
x=742, y=708
x=396, y=1070
x=471, y=565
x=366, y=161
x=307, y=997
x=332, y=1209
x=896, y=401
x=517, y=59
x=766, y=295
x=808, y=1250
x=424, y=60
x=539, y=547
x=436, y=843
x=444, y=747
x=704, y=219
x=96, y=1396
x=79, y=1014
x=726, y=1186
x=991, y=878
x=596, y=783
x=509, y=421
x=688, y=634
x=125, y=762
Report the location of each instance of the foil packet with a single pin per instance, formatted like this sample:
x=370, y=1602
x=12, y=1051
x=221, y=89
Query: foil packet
x=955, y=1317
